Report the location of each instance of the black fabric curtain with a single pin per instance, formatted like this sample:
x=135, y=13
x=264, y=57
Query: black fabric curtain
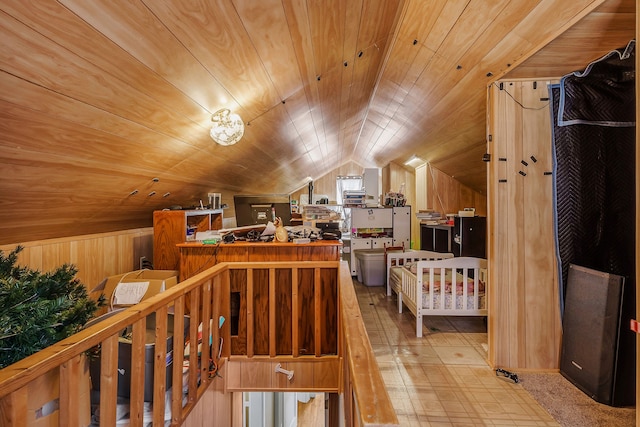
x=593, y=122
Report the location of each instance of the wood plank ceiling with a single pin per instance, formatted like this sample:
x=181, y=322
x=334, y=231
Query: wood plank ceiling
x=103, y=99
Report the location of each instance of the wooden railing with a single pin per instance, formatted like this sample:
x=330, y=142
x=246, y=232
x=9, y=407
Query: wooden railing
x=366, y=401
x=284, y=308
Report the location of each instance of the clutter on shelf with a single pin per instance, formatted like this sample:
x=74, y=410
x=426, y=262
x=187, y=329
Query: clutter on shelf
x=393, y=199
x=354, y=199
x=429, y=216
x=323, y=212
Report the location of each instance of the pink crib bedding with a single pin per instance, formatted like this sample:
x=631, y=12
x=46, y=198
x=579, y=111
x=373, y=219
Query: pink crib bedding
x=448, y=282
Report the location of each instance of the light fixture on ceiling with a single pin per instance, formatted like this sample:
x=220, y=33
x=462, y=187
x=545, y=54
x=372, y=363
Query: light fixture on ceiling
x=227, y=128
x=414, y=161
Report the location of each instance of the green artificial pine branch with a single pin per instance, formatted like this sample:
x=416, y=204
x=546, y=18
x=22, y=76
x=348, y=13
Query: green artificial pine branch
x=39, y=309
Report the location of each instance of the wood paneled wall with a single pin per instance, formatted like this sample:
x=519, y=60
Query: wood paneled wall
x=445, y=194
x=396, y=177
x=442, y=193
x=95, y=255
x=216, y=404
x=525, y=329
x=326, y=184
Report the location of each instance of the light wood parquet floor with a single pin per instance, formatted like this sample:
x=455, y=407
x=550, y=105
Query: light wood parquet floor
x=441, y=379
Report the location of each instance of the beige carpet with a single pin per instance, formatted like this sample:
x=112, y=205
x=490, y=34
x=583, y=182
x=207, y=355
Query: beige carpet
x=571, y=407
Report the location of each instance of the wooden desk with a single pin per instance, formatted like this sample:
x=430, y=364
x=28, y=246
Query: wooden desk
x=197, y=257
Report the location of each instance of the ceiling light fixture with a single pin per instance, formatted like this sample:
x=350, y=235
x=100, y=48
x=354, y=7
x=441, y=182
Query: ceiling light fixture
x=227, y=128
x=414, y=161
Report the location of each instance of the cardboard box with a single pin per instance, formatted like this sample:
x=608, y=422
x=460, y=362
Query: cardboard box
x=123, y=290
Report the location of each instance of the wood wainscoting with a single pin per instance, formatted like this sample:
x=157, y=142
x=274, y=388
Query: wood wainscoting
x=95, y=255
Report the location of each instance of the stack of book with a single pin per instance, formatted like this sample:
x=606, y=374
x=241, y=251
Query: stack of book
x=428, y=216
x=354, y=199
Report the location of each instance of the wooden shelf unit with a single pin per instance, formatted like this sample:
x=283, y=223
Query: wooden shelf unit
x=170, y=229
x=436, y=238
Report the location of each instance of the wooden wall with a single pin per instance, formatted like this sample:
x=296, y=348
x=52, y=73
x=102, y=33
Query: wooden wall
x=326, y=184
x=95, y=255
x=443, y=193
x=525, y=329
x=396, y=177
x=216, y=404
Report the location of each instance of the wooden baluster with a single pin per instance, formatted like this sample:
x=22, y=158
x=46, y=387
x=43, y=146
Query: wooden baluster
x=138, y=373
x=272, y=312
x=160, y=365
x=295, y=313
x=108, y=380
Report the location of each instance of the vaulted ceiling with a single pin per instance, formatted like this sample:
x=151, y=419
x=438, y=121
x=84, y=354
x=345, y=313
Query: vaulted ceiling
x=105, y=105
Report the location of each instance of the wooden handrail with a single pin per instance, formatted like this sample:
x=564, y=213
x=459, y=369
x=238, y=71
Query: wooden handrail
x=203, y=298
x=370, y=404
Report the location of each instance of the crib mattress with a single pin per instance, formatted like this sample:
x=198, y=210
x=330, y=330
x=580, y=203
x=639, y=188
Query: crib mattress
x=436, y=302
x=395, y=274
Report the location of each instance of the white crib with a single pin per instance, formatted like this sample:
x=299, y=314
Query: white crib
x=447, y=287
x=396, y=262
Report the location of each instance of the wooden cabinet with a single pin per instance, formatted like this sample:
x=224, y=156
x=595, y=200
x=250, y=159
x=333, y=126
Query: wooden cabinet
x=265, y=377
x=524, y=327
x=170, y=228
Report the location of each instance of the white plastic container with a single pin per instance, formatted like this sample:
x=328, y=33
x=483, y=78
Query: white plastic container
x=371, y=268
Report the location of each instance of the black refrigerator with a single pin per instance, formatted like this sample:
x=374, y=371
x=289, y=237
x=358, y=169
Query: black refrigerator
x=469, y=236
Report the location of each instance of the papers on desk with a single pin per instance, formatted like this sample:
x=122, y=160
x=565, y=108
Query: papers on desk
x=208, y=235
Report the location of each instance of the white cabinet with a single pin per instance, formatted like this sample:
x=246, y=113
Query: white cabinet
x=381, y=242
x=375, y=228
x=371, y=218
x=366, y=243
x=360, y=243
x=402, y=226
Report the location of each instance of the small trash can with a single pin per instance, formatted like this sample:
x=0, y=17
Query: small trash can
x=370, y=269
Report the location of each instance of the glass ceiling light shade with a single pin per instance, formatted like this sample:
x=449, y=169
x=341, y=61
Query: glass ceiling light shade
x=227, y=128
